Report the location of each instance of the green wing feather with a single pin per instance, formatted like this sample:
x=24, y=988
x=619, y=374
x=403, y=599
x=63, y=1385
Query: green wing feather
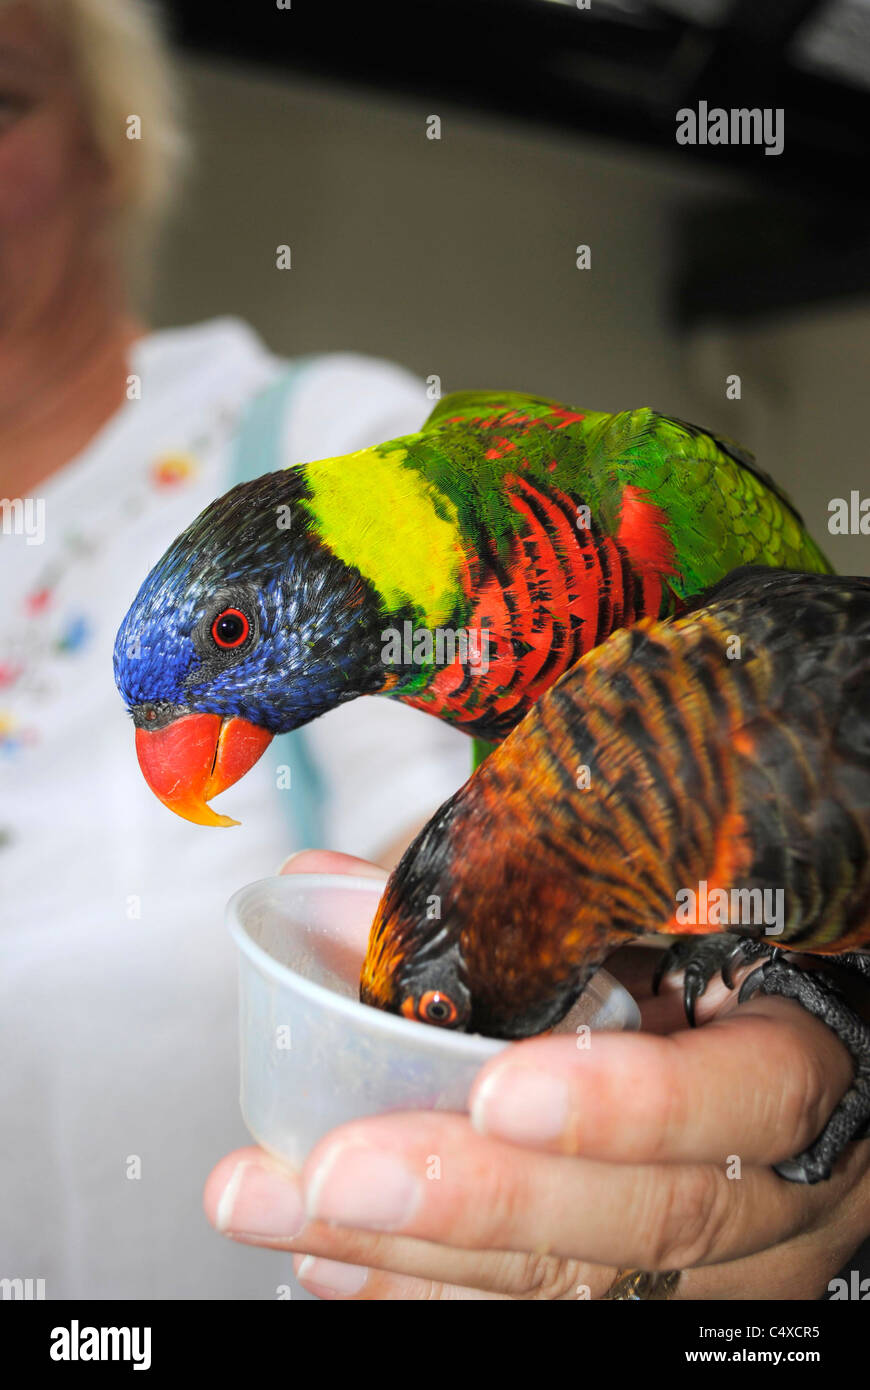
x=722, y=510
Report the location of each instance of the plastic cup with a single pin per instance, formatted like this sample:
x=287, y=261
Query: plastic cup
x=313, y=1056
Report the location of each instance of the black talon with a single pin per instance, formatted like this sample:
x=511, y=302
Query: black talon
x=701, y=959
x=744, y=951
x=672, y=961
x=689, y=997
x=660, y=972
x=751, y=985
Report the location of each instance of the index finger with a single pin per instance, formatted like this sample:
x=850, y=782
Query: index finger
x=759, y=1083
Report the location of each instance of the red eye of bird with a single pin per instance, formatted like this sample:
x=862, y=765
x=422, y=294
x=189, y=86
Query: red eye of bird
x=438, y=1008
x=230, y=628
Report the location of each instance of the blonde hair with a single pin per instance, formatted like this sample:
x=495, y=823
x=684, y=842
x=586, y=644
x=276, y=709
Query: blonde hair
x=123, y=67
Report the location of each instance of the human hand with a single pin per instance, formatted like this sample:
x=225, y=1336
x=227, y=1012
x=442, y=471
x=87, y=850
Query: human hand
x=648, y=1150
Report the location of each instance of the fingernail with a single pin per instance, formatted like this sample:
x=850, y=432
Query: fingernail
x=522, y=1104
x=260, y=1201
x=289, y=860
x=361, y=867
x=357, y=1186
x=328, y=1277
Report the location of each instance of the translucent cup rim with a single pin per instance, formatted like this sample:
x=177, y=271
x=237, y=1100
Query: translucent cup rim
x=437, y=1039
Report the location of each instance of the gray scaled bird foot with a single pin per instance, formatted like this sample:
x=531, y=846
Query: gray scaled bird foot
x=703, y=957
x=821, y=997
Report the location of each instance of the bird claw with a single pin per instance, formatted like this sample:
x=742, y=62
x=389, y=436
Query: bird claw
x=820, y=996
x=701, y=959
x=752, y=984
x=739, y=956
x=695, y=982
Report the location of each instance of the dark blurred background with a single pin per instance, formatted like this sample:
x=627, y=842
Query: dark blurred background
x=457, y=256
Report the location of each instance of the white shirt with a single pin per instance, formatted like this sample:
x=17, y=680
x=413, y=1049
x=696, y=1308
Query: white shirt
x=118, y=1026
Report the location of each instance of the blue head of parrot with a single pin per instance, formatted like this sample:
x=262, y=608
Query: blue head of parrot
x=247, y=627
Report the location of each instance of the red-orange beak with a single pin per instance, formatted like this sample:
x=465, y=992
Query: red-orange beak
x=189, y=761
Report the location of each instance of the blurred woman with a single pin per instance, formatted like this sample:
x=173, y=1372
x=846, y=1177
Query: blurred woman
x=117, y=980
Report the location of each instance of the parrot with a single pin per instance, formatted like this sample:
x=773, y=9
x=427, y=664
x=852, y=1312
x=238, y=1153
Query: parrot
x=529, y=529
x=704, y=776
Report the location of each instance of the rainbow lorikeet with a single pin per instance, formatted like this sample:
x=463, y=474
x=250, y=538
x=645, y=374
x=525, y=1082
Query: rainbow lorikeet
x=704, y=772
x=516, y=532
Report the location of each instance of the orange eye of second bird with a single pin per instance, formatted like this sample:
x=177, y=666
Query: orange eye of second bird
x=230, y=628
x=435, y=1007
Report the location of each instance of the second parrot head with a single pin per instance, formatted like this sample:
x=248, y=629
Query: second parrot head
x=463, y=935
x=247, y=627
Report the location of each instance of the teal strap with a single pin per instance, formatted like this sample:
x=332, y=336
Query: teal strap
x=258, y=450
